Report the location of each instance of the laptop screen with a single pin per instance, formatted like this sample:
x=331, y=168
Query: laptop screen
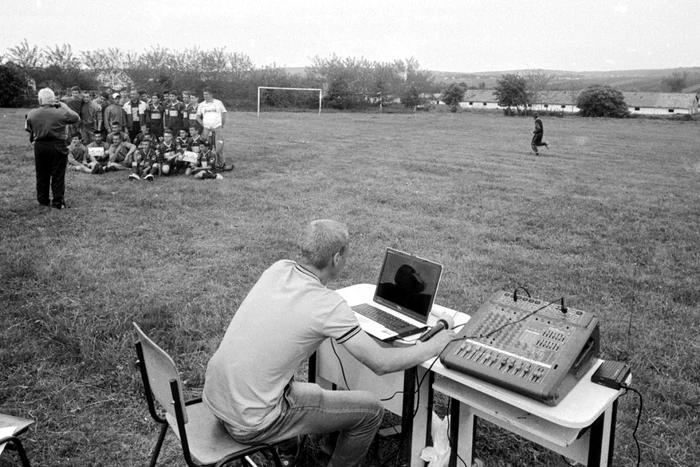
x=408, y=284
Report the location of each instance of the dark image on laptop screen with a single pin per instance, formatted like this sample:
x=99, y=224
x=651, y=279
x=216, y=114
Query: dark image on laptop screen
x=408, y=284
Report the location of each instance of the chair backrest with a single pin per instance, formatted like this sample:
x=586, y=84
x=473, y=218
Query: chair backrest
x=161, y=371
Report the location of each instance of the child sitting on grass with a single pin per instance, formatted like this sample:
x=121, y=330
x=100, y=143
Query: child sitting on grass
x=206, y=164
x=79, y=159
x=168, y=151
x=143, y=160
x=120, y=154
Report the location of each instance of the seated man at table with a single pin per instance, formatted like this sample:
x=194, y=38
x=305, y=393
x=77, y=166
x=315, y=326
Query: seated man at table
x=284, y=319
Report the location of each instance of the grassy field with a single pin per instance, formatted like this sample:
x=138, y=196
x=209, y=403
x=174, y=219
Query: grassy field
x=609, y=217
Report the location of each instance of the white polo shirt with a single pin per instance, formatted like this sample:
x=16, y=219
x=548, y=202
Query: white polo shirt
x=280, y=324
x=210, y=112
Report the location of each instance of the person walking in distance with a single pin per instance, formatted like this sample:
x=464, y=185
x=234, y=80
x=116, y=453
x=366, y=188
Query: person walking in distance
x=538, y=134
x=47, y=131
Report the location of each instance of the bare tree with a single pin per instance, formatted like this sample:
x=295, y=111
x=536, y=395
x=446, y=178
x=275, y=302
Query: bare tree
x=676, y=82
x=61, y=56
x=25, y=56
x=536, y=86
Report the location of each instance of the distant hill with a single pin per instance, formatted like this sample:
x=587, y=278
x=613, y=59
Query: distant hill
x=562, y=80
x=624, y=80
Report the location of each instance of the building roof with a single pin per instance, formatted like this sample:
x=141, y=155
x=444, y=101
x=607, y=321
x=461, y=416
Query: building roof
x=632, y=99
x=662, y=100
x=479, y=95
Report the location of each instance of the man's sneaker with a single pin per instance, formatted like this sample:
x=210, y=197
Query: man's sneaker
x=219, y=177
x=134, y=177
x=546, y=144
x=149, y=177
x=96, y=169
x=208, y=176
x=61, y=205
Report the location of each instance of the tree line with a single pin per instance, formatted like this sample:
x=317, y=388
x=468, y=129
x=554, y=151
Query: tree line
x=348, y=83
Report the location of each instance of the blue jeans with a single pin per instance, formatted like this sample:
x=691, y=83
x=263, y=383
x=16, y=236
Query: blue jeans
x=311, y=410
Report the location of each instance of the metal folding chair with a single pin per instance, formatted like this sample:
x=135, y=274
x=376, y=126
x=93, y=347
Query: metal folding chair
x=204, y=439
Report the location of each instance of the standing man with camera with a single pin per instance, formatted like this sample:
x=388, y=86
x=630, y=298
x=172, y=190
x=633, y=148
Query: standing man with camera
x=47, y=131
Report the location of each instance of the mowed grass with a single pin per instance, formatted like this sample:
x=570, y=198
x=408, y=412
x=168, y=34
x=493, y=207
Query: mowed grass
x=608, y=218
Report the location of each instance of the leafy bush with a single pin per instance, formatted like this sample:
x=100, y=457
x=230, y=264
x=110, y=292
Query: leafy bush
x=511, y=91
x=602, y=101
x=12, y=87
x=452, y=96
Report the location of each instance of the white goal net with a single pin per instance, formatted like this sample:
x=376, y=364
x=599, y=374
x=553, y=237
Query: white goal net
x=279, y=97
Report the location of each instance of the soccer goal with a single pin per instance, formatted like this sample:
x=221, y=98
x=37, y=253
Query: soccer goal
x=319, y=91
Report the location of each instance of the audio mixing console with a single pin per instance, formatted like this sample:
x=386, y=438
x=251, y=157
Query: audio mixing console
x=540, y=356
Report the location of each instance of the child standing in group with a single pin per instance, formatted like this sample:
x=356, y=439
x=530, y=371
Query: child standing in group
x=154, y=117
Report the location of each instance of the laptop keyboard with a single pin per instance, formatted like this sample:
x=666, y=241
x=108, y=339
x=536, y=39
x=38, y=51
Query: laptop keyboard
x=382, y=317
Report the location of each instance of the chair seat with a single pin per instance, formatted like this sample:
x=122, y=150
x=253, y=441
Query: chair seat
x=21, y=423
x=208, y=439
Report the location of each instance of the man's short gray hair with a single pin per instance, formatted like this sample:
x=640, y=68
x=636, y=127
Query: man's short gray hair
x=46, y=96
x=322, y=239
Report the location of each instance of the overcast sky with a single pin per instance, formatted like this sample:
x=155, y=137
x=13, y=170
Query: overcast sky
x=449, y=35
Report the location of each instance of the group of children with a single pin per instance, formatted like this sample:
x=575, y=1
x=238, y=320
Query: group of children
x=147, y=156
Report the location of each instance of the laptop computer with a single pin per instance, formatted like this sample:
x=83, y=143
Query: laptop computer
x=403, y=297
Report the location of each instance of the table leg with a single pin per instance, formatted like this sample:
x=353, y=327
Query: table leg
x=462, y=433
x=409, y=378
x=602, y=440
x=311, y=376
x=421, y=423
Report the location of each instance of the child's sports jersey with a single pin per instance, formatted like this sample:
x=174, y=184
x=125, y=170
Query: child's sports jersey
x=149, y=157
x=207, y=158
x=167, y=151
x=192, y=115
x=194, y=144
x=154, y=119
x=173, y=116
x=141, y=137
x=181, y=143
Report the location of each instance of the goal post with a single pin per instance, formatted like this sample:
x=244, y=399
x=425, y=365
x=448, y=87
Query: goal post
x=320, y=94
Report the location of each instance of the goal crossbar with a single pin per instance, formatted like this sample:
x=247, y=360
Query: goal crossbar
x=320, y=94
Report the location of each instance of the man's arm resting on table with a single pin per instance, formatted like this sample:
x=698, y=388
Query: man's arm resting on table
x=382, y=360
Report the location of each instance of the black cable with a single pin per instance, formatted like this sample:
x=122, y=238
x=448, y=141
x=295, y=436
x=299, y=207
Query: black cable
x=515, y=293
x=639, y=416
x=508, y=324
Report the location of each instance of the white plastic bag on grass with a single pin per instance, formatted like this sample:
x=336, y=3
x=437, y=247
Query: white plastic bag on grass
x=438, y=455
